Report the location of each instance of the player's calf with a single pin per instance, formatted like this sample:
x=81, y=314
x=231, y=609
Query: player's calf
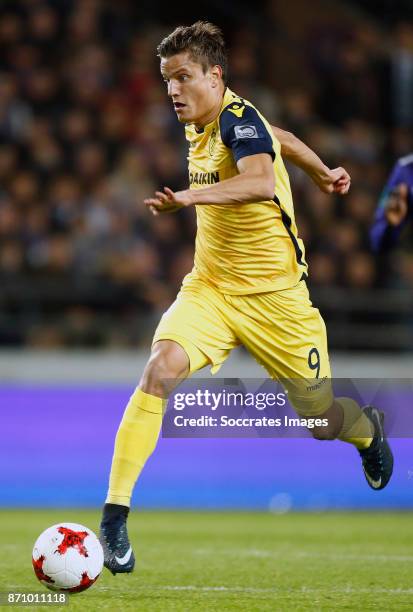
x=334, y=423
x=364, y=429
x=135, y=441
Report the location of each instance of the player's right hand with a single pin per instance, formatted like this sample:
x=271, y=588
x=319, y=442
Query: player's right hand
x=162, y=203
x=396, y=205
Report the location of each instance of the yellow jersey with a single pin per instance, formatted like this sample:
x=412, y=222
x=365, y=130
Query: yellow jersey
x=245, y=248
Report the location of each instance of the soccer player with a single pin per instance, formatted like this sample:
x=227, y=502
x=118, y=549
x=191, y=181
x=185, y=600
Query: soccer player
x=248, y=282
x=395, y=206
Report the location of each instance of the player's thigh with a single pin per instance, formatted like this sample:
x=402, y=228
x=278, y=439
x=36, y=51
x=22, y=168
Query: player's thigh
x=288, y=336
x=196, y=323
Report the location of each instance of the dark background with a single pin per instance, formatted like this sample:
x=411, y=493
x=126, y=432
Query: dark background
x=86, y=132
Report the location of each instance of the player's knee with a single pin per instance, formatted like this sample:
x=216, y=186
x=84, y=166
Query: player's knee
x=168, y=364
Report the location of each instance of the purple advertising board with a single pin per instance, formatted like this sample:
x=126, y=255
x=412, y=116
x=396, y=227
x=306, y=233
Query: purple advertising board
x=57, y=442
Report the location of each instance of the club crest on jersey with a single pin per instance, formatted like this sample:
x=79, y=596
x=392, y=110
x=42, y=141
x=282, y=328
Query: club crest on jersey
x=245, y=131
x=212, y=141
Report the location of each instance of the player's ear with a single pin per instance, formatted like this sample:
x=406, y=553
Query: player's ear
x=216, y=75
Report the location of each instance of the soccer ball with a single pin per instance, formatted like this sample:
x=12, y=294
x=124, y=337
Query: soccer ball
x=67, y=557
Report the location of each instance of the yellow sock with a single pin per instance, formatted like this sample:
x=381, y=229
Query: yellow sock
x=135, y=440
x=357, y=428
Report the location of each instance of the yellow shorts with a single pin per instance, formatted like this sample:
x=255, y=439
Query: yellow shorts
x=280, y=329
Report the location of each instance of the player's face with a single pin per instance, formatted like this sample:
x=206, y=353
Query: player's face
x=196, y=95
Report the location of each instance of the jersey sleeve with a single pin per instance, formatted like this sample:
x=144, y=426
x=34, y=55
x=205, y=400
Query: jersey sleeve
x=384, y=236
x=244, y=132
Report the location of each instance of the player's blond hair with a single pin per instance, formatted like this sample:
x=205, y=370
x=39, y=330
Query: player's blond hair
x=203, y=40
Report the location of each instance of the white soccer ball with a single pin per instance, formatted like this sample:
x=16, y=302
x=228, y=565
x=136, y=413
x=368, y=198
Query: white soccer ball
x=67, y=557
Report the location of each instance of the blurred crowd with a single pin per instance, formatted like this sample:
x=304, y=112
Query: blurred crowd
x=87, y=131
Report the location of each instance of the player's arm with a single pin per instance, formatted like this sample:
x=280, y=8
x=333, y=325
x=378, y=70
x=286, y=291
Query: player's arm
x=396, y=207
x=393, y=211
x=244, y=133
x=292, y=148
x=254, y=183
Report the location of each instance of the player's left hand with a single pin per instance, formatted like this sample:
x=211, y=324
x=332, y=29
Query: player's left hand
x=168, y=201
x=334, y=181
x=341, y=181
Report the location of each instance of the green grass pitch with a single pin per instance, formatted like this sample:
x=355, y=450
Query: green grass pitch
x=235, y=561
